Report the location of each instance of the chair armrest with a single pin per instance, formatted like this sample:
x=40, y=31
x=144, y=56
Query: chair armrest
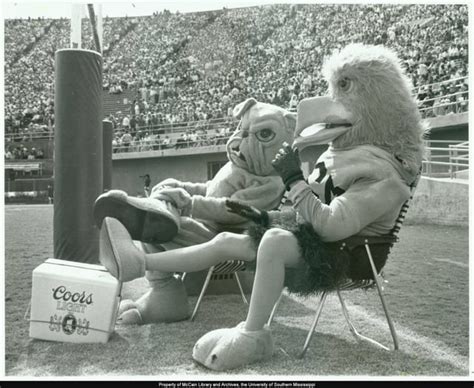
x=355, y=241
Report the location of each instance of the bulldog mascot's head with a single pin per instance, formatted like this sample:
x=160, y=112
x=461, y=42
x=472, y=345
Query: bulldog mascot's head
x=262, y=130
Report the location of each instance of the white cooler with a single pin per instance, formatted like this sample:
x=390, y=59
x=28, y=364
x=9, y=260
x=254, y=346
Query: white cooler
x=73, y=302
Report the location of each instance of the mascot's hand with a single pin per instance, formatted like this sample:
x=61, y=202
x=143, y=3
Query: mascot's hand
x=249, y=212
x=167, y=183
x=287, y=165
x=179, y=197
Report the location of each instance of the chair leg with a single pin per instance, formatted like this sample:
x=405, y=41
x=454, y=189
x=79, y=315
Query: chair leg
x=382, y=299
x=275, y=306
x=352, y=328
x=313, y=326
x=203, y=291
x=237, y=279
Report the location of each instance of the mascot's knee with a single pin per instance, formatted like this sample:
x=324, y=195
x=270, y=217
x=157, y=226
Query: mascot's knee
x=240, y=246
x=276, y=242
x=224, y=240
x=277, y=235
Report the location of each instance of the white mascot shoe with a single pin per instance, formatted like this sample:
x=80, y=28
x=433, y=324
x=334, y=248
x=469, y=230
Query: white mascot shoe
x=231, y=348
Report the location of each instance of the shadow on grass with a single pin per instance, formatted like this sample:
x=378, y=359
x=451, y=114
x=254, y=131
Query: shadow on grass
x=165, y=349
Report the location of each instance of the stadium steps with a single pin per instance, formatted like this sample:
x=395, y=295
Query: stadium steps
x=131, y=26
x=113, y=103
x=32, y=45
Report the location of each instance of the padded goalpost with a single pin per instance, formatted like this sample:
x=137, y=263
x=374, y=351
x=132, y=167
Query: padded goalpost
x=78, y=159
x=80, y=136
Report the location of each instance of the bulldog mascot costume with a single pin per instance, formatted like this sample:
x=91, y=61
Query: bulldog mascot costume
x=357, y=187
x=182, y=214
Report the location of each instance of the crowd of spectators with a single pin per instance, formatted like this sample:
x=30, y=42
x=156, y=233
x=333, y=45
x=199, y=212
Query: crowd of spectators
x=195, y=134
x=29, y=97
x=29, y=80
x=198, y=66
x=22, y=34
x=21, y=152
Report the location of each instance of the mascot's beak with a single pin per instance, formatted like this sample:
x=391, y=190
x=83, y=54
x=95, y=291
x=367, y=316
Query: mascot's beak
x=320, y=120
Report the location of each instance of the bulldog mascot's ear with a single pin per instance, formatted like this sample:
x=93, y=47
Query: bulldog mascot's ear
x=262, y=130
x=244, y=106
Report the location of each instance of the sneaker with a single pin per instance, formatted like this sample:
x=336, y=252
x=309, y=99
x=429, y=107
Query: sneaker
x=118, y=253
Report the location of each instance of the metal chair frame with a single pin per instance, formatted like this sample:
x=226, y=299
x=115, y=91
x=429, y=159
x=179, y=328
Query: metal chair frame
x=377, y=281
x=350, y=286
x=225, y=268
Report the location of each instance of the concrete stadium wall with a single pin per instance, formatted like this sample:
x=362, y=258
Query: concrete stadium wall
x=185, y=165
x=441, y=202
x=450, y=127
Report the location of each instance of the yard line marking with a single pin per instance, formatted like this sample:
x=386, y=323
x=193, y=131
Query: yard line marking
x=432, y=348
x=437, y=350
x=452, y=262
x=16, y=208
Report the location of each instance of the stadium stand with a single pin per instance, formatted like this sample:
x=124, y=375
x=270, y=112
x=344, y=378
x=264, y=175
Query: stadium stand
x=177, y=76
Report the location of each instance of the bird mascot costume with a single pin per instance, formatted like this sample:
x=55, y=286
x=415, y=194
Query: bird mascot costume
x=356, y=188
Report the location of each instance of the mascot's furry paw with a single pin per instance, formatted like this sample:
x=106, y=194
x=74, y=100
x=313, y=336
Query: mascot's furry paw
x=146, y=219
x=167, y=301
x=231, y=348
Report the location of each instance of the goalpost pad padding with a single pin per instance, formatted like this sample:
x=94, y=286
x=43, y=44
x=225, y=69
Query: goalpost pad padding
x=78, y=158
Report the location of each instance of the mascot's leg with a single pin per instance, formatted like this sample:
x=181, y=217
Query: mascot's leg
x=165, y=301
x=146, y=219
x=251, y=341
x=126, y=262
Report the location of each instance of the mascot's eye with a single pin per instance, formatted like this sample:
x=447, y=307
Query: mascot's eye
x=344, y=84
x=265, y=135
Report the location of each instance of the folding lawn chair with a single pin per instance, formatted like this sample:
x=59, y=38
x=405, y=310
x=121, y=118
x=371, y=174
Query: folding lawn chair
x=231, y=268
x=367, y=243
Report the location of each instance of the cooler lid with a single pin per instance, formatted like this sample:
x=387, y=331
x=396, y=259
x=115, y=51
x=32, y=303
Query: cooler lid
x=75, y=270
x=93, y=267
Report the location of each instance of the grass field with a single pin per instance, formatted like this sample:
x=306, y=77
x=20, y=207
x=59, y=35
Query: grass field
x=427, y=294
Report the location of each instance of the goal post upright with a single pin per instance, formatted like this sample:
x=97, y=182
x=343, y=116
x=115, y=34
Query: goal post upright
x=76, y=25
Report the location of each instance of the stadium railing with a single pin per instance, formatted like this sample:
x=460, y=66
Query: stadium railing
x=439, y=83
x=457, y=102
x=446, y=159
x=180, y=127
x=159, y=146
x=444, y=105
x=26, y=166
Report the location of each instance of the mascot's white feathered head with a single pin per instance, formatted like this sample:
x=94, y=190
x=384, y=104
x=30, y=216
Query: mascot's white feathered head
x=261, y=132
x=370, y=102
